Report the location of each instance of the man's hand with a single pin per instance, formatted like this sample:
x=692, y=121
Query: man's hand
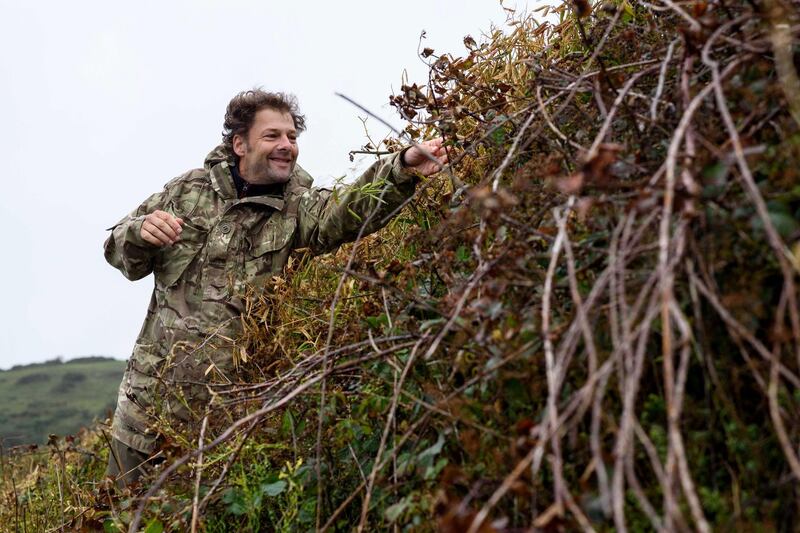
x=161, y=229
x=415, y=157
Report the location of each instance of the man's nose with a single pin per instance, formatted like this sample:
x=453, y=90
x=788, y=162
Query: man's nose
x=285, y=143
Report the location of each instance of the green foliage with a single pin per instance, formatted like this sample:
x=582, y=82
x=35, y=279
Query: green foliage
x=260, y=498
x=56, y=398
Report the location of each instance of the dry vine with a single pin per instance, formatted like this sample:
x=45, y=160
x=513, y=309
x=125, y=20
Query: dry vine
x=588, y=335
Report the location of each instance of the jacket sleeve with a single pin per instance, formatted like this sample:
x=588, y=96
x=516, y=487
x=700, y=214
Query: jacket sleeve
x=328, y=218
x=125, y=249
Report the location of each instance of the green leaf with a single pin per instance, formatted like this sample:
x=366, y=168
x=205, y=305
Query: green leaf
x=287, y=422
x=377, y=322
x=432, y=451
x=498, y=136
x=404, y=462
x=236, y=505
x=428, y=324
x=394, y=511
x=273, y=489
x=154, y=526
x=716, y=173
x=432, y=471
x=628, y=12
x=463, y=254
x=354, y=214
x=784, y=223
x=307, y=511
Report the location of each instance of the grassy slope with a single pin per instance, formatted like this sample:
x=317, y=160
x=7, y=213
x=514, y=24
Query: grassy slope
x=55, y=398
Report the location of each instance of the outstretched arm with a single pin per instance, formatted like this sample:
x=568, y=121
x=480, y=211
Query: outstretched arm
x=329, y=218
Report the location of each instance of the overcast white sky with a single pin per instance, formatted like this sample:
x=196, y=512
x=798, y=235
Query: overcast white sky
x=103, y=102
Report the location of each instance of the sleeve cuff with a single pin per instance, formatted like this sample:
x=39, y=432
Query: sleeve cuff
x=133, y=233
x=401, y=173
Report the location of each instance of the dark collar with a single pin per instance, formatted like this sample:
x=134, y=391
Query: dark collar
x=245, y=189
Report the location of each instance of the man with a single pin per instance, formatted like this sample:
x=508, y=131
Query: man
x=213, y=232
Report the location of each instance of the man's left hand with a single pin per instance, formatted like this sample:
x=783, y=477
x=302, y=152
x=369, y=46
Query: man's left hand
x=427, y=157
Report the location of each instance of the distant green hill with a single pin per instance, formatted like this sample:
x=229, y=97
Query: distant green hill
x=56, y=397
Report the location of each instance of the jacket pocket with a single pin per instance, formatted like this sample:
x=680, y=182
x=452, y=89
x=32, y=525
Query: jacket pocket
x=173, y=260
x=273, y=236
x=269, y=247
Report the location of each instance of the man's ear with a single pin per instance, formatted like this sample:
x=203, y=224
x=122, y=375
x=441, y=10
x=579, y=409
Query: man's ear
x=239, y=145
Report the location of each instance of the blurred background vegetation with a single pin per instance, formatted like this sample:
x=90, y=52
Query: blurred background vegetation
x=56, y=397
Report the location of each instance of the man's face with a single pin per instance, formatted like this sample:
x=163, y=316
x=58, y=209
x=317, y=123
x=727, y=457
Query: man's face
x=269, y=152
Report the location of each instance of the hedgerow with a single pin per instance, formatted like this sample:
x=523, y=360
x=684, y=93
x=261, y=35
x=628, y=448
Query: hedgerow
x=588, y=321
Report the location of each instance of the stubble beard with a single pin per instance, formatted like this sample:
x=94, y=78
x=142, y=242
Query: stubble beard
x=261, y=172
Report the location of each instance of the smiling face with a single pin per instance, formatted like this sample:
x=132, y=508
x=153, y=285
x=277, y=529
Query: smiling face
x=268, y=154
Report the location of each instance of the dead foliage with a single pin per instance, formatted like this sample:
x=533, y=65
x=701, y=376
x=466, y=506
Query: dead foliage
x=599, y=331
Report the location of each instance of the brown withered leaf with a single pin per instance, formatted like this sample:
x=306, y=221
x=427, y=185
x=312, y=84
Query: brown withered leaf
x=583, y=207
x=582, y=7
x=452, y=517
x=480, y=193
x=370, y=308
x=427, y=52
x=644, y=201
x=699, y=8
x=552, y=164
x=470, y=440
x=452, y=475
x=395, y=266
x=597, y=169
x=524, y=426
x=571, y=184
x=548, y=230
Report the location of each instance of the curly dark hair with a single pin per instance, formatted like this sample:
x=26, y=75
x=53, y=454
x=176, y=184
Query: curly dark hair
x=242, y=109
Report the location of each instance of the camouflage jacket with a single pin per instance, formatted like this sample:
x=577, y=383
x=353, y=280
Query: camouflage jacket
x=226, y=245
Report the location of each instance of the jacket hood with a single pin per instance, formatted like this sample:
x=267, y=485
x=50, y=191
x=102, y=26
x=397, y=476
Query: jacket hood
x=218, y=155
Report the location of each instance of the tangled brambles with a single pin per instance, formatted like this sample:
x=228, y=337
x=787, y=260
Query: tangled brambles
x=599, y=331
